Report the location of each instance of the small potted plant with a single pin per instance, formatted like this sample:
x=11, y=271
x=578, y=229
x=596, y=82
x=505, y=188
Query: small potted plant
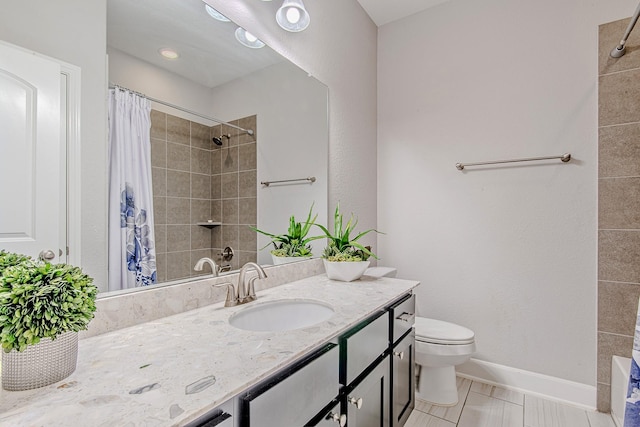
x=294, y=245
x=344, y=258
x=42, y=308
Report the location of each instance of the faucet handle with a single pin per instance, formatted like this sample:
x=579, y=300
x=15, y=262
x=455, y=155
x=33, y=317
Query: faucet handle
x=231, y=299
x=251, y=291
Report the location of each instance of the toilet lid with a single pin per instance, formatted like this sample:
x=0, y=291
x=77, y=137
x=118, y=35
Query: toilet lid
x=440, y=332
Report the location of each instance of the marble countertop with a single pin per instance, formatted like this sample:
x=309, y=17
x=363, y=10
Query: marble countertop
x=139, y=376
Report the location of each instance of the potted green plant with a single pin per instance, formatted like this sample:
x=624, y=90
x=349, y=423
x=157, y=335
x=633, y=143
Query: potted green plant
x=42, y=308
x=294, y=245
x=344, y=258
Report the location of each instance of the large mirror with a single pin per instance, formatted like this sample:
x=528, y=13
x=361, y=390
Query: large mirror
x=207, y=176
x=205, y=194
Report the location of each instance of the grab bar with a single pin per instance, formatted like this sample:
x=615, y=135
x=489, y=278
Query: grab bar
x=565, y=158
x=268, y=183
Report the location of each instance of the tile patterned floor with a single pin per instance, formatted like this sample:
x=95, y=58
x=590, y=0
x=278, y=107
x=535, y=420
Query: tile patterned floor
x=483, y=405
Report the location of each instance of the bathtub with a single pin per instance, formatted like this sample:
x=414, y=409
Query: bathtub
x=620, y=367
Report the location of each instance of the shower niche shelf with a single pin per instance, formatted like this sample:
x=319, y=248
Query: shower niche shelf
x=209, y=224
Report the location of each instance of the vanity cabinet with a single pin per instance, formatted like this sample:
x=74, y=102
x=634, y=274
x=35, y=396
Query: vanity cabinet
x=363, y=378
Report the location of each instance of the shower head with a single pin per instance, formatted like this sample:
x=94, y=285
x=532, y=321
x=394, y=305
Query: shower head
x=619, y=50
x=218, y=139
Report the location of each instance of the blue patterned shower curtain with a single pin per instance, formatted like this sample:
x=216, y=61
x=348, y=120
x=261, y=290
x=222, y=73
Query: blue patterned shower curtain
x=632, y=406
x=132, y=255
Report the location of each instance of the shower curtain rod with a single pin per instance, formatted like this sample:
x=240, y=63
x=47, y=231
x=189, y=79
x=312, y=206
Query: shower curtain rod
x=248, y=131
x=619, y=50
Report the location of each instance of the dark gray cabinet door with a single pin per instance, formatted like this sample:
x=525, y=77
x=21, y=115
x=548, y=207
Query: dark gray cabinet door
x=403, y=379
x=296, y=395
x=362, y=345
x=368, y=402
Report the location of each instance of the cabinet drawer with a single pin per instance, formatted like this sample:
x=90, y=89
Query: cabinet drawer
x=403, y=316
x=362, y=346
x=295, y=396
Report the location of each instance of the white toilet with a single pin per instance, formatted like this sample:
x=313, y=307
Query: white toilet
x=440, y=346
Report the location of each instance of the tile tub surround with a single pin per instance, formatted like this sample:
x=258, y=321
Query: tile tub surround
x=195, y=180
x=618, y=200
x=163, y=357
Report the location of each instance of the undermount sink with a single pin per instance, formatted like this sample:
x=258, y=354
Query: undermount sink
x=281, y=315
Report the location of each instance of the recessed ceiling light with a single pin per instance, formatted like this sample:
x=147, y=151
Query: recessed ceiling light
x=168, y=53
x=248, y=39
x=215, y=14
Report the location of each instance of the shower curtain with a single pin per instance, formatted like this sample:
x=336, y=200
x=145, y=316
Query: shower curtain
x=132, y=255
x=632, y=406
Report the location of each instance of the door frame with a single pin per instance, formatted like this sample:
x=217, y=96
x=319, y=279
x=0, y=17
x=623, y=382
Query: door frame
x=73, y=238
x=73, y=163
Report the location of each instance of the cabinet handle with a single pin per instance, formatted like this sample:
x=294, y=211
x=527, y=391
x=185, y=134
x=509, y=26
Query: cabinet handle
x=405, y=317
x=399, y=354
x=340, y=419
x=356, y=402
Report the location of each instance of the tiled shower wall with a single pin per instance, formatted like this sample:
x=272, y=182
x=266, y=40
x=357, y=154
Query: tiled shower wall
x=195, y=180
x=618, y=200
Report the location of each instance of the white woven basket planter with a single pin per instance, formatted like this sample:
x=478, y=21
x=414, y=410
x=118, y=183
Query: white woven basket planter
x=42, y=364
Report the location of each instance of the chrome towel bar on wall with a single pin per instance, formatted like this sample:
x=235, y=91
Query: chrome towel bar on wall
x=310, y=179
x=564, y=158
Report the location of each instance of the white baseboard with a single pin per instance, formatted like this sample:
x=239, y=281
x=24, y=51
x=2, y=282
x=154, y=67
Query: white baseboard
x=532, y=383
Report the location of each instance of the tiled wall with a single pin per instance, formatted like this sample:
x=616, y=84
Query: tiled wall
x=618, y=200
x=195, y=180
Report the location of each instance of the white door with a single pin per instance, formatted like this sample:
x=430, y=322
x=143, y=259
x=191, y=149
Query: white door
x=30, y=170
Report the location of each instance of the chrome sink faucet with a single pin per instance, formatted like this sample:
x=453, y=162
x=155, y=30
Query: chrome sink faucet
x=246, y=290
x=202, y=261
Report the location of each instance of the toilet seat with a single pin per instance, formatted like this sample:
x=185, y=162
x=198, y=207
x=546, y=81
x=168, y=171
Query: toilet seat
x=440, y=332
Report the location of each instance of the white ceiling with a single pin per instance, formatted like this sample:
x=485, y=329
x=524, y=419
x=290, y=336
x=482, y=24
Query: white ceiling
x=385, y=11
x=209, y=52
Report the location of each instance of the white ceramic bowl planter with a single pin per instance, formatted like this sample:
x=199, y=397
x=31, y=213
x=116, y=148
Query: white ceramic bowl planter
x=345, y=271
